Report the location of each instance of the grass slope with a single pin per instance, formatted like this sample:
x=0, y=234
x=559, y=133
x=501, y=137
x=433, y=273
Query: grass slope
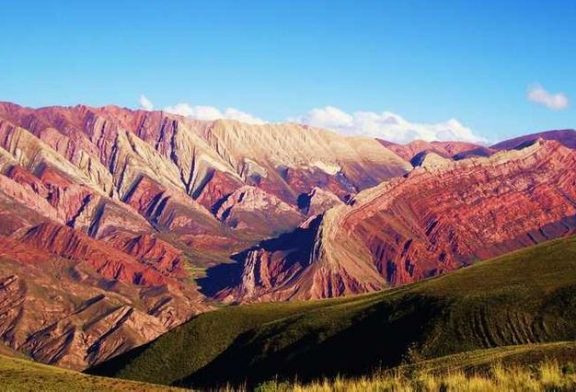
x=524, y=297
x=547, y=375
x=24, y=375
x=506, y=356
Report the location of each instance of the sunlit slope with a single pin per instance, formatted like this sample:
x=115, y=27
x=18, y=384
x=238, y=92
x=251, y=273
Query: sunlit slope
x=25, y=375
x=507, y=356
x=524, y=297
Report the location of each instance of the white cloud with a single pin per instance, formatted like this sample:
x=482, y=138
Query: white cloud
x=387, y=126
x=209, y=113
x=197, y=112
x=145, y=103
x=539, y=95
x=239, y=115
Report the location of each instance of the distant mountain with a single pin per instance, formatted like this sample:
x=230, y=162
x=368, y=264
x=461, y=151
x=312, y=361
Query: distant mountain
x=566, y=137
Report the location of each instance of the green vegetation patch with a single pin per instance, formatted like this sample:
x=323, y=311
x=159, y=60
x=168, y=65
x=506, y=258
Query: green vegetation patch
x=24, y=375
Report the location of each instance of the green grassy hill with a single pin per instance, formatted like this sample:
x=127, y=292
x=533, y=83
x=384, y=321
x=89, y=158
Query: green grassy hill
x=21, y=375
x=522, y=298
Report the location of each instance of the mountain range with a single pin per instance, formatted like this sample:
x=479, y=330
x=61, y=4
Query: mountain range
x=119, y=225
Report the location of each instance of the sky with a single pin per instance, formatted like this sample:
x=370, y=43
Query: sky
x=468, y=70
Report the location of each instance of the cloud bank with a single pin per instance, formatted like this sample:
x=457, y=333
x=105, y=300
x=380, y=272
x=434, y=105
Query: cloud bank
x=539, y=95
x=211, y=113
x=387, y=126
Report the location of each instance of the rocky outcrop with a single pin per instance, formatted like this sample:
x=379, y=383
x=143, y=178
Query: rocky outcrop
x=439, y=219
x=429, y=160
x=436, y=219
x=151, y=251
x=317, y=201
x=52, y=314
x=112, y=264
x=251, y=208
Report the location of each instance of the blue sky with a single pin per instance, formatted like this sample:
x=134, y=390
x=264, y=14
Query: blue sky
x=427, y=61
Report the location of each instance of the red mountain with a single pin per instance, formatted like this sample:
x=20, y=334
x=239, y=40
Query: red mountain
x=443, y=215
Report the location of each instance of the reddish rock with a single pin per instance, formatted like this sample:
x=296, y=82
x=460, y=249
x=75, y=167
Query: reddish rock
x=318, y=201
x=432, y=221
x=144, y=196
x=110, y=263
x=70, y=300
x=152, y=251
x=216, y=187
x=28, y=180
x=252, y=209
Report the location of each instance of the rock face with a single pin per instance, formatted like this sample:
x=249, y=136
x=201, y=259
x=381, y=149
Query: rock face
x=252, y=209
x=566, y=137
x=429, y=160
x=74, y=301
x=436, y=219
x=318, y=201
